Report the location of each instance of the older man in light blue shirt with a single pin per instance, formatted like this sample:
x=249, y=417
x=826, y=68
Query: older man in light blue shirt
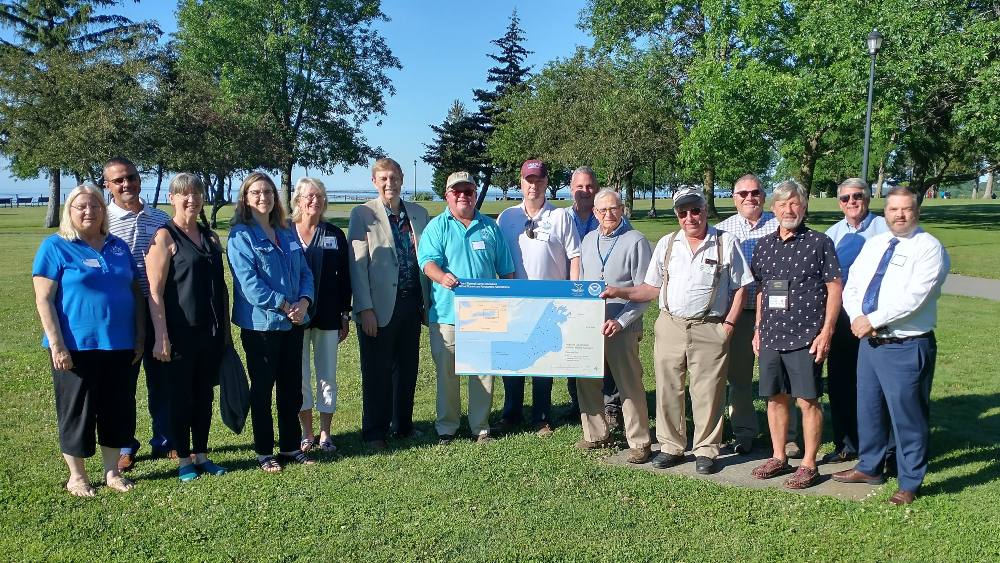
x=460, y=243
x=849, y=235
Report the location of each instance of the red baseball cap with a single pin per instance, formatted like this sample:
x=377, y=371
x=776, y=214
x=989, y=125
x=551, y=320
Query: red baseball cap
x=534, y=168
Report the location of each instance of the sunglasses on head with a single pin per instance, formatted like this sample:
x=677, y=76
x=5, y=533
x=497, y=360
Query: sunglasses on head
x=856, y=196
x=694, y=211
x=745, y=194
x=529, y=228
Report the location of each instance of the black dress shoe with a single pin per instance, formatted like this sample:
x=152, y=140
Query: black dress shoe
x=664, y=460
x=445, y=439
x=704, y=465
x=840, y=456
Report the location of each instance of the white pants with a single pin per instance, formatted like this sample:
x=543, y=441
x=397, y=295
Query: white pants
x=323, y=344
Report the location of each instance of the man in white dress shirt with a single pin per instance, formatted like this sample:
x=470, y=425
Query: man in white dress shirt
x=699, y=275
x=545, y=246
x=891, y=297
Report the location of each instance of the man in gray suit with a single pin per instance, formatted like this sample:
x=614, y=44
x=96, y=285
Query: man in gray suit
x=390, y=299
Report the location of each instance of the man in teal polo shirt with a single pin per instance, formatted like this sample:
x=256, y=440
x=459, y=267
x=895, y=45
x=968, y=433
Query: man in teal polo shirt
x=459, y=243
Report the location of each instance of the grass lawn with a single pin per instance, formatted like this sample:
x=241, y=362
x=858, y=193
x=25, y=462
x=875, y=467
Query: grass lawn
x=520, y=498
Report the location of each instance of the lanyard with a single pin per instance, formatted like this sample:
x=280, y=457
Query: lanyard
x=605, y=257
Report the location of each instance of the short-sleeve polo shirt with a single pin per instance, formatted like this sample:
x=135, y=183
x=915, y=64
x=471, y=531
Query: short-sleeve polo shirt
x=476, y=251
x=808, y=261
x=94, y=301
x=546, y=256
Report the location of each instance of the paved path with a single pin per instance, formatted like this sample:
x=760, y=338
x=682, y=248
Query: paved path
x=969, y=286
x=734, y=470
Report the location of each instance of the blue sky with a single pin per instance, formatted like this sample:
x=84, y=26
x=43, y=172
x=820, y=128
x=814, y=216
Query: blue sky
x=442, y=46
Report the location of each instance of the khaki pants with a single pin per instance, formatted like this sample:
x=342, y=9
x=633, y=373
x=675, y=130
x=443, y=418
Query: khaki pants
x=621, y=358
x=449, y=399
x=701, y=349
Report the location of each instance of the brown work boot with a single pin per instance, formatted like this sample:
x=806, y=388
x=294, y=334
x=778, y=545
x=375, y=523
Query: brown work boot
x=600, y=444
x=639, y=455
x=543, y=430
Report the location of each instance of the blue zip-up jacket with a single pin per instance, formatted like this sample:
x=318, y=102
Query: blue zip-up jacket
x=265, y=276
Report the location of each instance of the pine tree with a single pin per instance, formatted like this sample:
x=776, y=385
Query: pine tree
x=509, y=73
x=452, y=148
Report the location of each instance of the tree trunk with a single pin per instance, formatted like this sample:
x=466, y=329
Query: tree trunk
x=487, y=179
x=52, y=213
x=877, y=192
x=708, y=189
x=218, y=199
x=78, y=177
x=553, y=190
x=629, y=191
x=652, y=195
x=975, y=185
x=159, y=184
x=285, y=191
x=808, y=165
x=988, y=191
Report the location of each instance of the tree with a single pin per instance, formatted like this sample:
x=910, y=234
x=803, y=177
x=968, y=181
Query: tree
x=507, y=76
x=454, y=147
x=313, y=72
x=73, y=57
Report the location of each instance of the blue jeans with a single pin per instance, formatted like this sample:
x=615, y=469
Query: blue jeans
x=541, y=399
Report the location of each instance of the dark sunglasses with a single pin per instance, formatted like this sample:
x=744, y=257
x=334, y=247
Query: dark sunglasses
x=529, y=228
x=746, y=194
x=694, y=211
x=121, y=180
x=856, y=196
x=465, y=192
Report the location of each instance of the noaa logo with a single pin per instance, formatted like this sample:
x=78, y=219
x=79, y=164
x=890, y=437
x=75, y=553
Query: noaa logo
x=577, y=288
x=594, y=289
x=117, y=251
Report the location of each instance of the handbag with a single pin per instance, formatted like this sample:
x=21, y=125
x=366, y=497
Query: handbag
x=234, y=391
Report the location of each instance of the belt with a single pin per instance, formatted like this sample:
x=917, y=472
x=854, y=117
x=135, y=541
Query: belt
x=880, y=340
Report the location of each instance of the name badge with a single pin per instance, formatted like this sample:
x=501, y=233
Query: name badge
x=777, y=295
x=709, y=267
x=898, y=260
x=541, y=236
x=294, y=246
x=478, y=245
x=92, y=262
x=330, y=243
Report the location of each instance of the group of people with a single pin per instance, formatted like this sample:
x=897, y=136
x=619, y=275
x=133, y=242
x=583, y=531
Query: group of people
x=123, y=282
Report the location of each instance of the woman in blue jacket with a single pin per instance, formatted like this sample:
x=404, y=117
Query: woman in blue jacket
x=272, y=291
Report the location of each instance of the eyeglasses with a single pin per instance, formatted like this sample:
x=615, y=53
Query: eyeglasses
x=694, y=211
x=748, y=193
x=311, y=197
x=529, y=228
x=85, y=208
x=260, y=193
x=856, y=196
x=120, y=181
x=468, y=192
x=606, y=210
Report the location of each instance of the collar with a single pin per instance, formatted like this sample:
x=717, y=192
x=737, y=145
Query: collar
x=623, y=227
x=796, y=233
x=866, y=222
x=765, y=216
x=475, y=217
x=545, y=207
x=117, y=212
x=388, y=210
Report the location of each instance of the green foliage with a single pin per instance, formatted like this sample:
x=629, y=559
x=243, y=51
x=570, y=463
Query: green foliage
x=454, y=148
x=311, y=73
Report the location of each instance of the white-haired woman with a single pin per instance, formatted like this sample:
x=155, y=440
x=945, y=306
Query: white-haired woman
x=329, y=314
x=189, y=309
x=90, y=306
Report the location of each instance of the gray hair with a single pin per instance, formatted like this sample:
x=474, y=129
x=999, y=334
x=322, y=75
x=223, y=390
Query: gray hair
x=753, y=177
x=904, y=190
x=184, y=182
x=789, y=189
x=855, y=183
x=300, y=187
x=608, y=192
x=585, y=170
x=66, y=228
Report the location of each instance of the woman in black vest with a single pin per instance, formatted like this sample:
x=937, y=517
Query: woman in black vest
x=189, y=306
x=329, y=315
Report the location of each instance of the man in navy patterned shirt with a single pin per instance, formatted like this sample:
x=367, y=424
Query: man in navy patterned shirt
x=798, y=301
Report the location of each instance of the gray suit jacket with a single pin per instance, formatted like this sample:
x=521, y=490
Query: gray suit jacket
x=374, y=266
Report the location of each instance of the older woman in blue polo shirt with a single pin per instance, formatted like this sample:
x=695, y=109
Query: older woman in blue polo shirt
x=272, y=291
x=91, y=310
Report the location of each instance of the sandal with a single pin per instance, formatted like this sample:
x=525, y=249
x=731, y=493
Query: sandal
x=803, y=478
x=119, y=483
x=771, y=468
x=80, y=489
x=298, y=456
x=328, y=446
x=307, y=444
x=269, y=464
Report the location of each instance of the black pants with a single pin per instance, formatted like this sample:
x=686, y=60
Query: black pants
x=191, y=375
x=95, y=396
x=274, y=362
x=842, y=385
x=389, y=363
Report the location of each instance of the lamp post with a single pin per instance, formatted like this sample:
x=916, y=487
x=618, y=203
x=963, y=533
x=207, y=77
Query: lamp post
x=414, y=179
x=874, y=44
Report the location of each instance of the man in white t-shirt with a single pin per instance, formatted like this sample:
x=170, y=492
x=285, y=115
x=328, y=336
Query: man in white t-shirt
x=545, y=246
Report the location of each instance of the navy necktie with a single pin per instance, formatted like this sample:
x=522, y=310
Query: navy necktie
x=870, y=302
